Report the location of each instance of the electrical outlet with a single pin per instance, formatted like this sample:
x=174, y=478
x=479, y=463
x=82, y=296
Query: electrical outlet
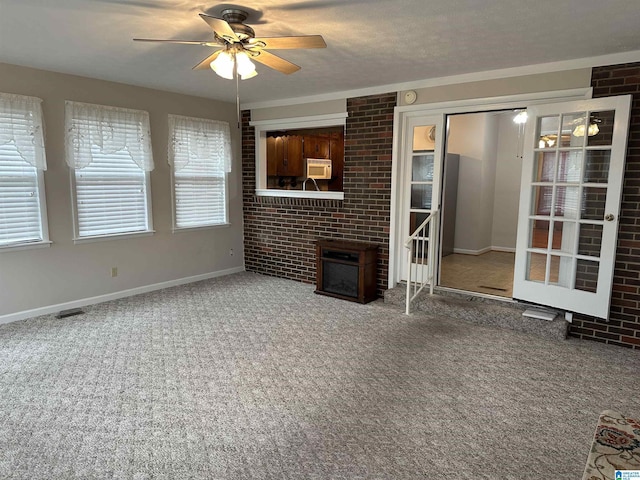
x=114, y=271
x=231, y=252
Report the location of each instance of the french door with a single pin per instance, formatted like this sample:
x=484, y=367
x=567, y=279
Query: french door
x=572, y=174
x=422, y=170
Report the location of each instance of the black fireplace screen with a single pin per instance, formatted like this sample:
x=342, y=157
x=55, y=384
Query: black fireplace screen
x=339, y=278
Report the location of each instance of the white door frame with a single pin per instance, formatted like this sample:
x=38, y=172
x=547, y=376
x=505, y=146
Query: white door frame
x=399, y=154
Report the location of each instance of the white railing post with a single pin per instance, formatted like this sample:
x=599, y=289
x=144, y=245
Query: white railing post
x=409, y=262
x=419, y=237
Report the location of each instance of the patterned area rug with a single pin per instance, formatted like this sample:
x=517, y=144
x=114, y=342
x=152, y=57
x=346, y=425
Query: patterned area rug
x=616, y=446
x=253, y=377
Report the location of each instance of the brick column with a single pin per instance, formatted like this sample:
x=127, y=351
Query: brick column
x=623, y=328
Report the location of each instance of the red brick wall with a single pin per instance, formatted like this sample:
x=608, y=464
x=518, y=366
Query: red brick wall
x=623, y=327
x=280, y=232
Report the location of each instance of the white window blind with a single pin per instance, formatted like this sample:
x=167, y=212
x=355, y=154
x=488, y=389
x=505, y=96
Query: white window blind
x=22, y=161
x=111, y=196
x=110, y=152
x=200, y=155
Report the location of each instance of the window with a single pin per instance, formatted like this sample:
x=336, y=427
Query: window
x=109, y=152
x=22, y=163
x=300, y=157
x=200, y=157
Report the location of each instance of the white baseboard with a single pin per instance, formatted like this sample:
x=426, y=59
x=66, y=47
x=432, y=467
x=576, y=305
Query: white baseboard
x=464, y=251
x=504, y=249
x=49, y=309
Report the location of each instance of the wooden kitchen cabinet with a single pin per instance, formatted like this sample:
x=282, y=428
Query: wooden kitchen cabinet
x=316, y=146
x=275, y=154
x=284, y=156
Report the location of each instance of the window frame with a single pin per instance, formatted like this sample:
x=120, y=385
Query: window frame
x=79, y=239
x=44, y=242
x=225, y=176
x=297, y=123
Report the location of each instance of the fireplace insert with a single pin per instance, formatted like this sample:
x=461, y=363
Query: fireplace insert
x=346, y=270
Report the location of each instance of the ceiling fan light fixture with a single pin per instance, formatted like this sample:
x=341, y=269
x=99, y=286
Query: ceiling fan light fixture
x=591, y=131
x=223, y=65
x=521, y=117
x=246, y=68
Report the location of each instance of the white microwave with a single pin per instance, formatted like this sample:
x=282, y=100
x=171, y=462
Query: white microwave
x=318, y=168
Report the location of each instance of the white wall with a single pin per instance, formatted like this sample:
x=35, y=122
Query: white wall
x=65, y=272
x=488, y=182
x=507, y=184
x=473, y=137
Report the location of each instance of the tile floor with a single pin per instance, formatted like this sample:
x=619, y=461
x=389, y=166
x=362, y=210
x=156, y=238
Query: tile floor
x=490, y=273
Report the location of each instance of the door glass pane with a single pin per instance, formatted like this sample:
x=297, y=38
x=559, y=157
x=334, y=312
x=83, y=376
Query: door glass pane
x=590, y=240
x=537, y=266
x=421, y=196
x=541, y=203
x=593, y=203
x=539, y=234
x=424, y=138
x=559, y=271
x=422, y=168
x=587, y=275
x=547, y=130
x=415, y=220
x=567, y=202
x=596, y=169
x=600, y=130
x=573, y=128
x=544, y=166
x=564, y=236
x=569, y=166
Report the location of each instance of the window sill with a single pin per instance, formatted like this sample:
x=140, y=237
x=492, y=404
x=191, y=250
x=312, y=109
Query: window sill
x=117, y=236
x=25, y=246
x=300, y=194
x=200, y=227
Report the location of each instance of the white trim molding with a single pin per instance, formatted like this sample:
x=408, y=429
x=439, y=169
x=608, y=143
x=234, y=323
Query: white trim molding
x=83, y=302
x=325, y=195
x=565, y=65
x=261, y=129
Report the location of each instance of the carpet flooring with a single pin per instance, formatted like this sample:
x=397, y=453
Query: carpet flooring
x=253, y=377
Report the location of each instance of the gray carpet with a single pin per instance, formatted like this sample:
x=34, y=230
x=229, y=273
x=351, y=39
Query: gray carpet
x=252, y=377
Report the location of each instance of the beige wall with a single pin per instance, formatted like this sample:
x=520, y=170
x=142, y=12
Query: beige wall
x=302, y=110
x=65, y=272
x=473, y=137
x=544, y=82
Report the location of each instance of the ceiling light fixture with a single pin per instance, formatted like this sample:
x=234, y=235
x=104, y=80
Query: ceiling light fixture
x=234, y=64
x=591, y=131
x=225, y=63
x=521, y=117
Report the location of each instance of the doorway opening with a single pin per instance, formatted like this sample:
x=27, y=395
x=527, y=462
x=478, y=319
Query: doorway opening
x=480, y=197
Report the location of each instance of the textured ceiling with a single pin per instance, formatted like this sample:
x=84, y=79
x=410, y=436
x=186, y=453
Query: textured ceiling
x=370, y=42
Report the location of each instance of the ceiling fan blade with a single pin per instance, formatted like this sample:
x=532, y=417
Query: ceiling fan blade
x=275, y=62
x=275, y=43
x=221, y=27
x=315, y=4
x=204, y=64
x=181, y=42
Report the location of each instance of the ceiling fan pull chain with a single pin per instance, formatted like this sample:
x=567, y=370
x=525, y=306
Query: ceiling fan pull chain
x=235, y=74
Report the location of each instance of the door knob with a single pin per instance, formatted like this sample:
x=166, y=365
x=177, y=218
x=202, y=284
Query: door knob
x=609, y=217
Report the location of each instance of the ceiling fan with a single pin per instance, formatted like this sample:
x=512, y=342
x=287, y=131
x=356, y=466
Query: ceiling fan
x=237, y=45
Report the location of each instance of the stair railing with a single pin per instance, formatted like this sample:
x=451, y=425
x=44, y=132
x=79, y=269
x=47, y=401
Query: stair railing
x=421, y=251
